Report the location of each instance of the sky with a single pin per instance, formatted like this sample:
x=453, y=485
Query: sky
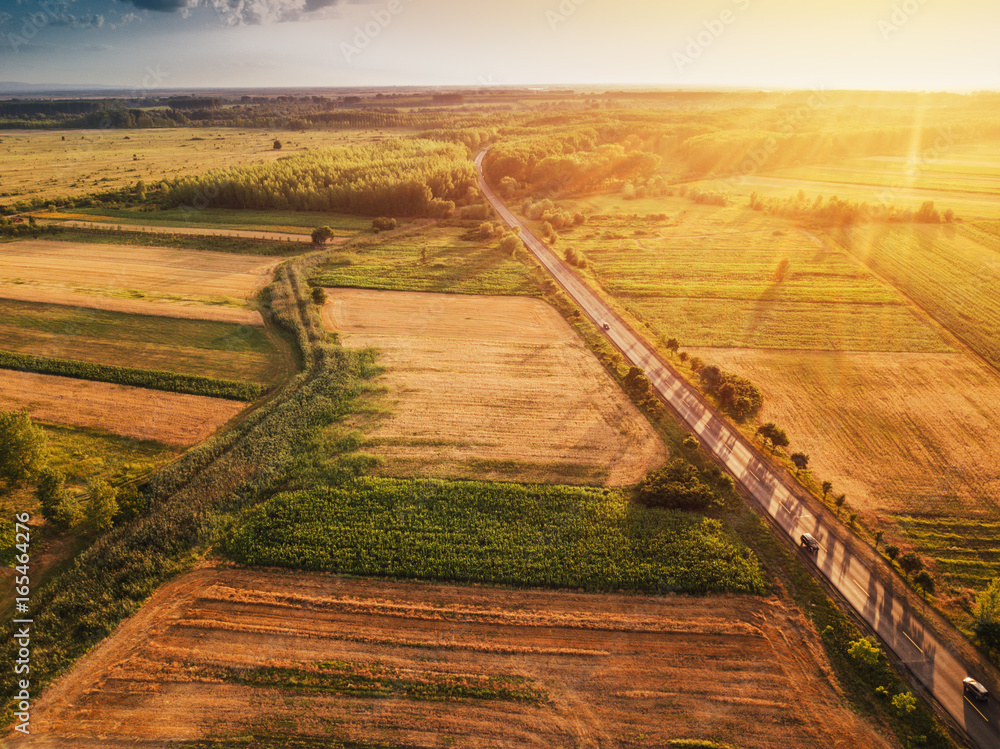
x=144, y=45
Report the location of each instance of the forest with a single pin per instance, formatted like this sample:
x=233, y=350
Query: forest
x=404, y=177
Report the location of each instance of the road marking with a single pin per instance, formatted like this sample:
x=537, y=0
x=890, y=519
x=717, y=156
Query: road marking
x=977, y=709
x=865, y=591
x=914, y=644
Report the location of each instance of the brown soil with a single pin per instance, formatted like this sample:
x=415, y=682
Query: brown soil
x=907, y=433
x=616, y=671
x=171, y=418
x=495, y=388
x=162, y=308
x=98, y=268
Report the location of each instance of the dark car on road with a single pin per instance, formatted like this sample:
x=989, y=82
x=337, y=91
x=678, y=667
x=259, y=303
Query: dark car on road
x=974, y=689
x=809, y=543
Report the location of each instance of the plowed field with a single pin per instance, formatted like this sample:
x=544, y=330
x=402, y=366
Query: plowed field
x=228, y=653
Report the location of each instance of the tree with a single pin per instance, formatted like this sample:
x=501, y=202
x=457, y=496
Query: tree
x=131, y=504
x=827, y=488
x=865, y=651
x=801, y=461
x=986, y=615
x=321, y=234
x=878, y=538
x=695, y=363
x=50, y=490
x=277, y=145
x=690, y=443
x=383, y=223
x=672, y=345
x=102, y=505
x=839, y=501
x=510, y=244
x=319, y=295
x=683, y=356
x=23, y=450
x=925, y=582
x=677, y=486
x=905, y=702
x=773, y=434
x=891, y=551
x=910, y=563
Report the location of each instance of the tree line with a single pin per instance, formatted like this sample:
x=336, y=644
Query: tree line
x=402, y=177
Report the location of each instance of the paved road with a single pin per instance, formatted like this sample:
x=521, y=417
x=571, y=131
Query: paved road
x=888, y=613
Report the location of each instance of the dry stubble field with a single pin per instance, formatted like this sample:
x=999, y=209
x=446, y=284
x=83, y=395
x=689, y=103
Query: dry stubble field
x=175, y=419
x=901, y=433
x=53, y=268
x=596, y=670
x=492, y=388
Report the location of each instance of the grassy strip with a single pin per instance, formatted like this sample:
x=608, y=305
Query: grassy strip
x=355, y=680
x=143, y=378
x=234, y=245
x=511, y=534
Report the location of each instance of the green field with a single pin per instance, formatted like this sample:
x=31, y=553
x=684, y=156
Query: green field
x=287, y=222
x=435, y=259
x=235, y=245
x=731, y=277
x=952, y=273
x=495, y=533
x=84, y=453
x=192, y=347
x=966, y=552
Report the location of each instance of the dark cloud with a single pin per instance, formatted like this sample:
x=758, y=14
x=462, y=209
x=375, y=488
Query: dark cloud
x=164, y=6
x=242, y=12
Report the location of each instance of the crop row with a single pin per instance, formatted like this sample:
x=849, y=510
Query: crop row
x=497, y=533
x=144, y=378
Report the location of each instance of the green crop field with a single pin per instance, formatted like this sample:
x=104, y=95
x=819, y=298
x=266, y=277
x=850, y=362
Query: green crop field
x=193, y=347
x=497, y=533
x=435, y=259
x=943, y=269
x=966, y=552
x=731, y=277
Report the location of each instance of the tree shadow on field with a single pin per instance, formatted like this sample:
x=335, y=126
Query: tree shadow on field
x=765, y=304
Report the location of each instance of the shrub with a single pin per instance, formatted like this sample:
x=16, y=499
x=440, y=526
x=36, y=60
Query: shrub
x=678, y=486
x=383, y=224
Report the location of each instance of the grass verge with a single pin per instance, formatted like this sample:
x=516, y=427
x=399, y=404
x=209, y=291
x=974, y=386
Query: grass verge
x=143, y=378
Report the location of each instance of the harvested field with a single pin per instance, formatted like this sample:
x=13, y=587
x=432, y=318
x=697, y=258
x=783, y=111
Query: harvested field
x=56, y=163
x=182, y=310
x=170, y=418
x=899, y=433
x=493, y=388
x=144, y=272
x=224, y=652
